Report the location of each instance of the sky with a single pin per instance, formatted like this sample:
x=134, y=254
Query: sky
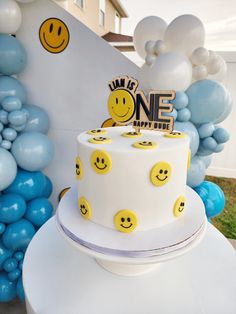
x=218, y=17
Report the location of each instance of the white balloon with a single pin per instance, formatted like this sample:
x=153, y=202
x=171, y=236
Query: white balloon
x=10, y=16
x=199, y=72
x=159, y=47
x=220, y=76
x=149, y=46
x=214, y=65
x=200, y=56
x=150, y=59
x=184, y=34
x=170, y=71
x=149, y=28
x=143, y=77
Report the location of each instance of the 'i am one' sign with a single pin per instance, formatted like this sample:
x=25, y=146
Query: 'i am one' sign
x=126, y=104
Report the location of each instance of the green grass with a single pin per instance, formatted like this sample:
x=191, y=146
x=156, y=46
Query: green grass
x=226, y=221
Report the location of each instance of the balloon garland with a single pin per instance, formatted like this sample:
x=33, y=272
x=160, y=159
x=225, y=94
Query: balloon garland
x=25, y=150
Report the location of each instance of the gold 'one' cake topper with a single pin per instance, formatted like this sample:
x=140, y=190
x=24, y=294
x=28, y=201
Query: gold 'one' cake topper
x=126, y=104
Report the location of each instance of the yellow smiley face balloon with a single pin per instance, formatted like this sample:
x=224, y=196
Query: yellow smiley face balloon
x=179, y=206
x=125, y=221
x=160, y=173
x=121, y=106
x=85, y=208
x=101, y=162
x=78, y=168
x=54, y=35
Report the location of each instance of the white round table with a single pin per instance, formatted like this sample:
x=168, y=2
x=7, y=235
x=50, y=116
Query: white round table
x=60, y=279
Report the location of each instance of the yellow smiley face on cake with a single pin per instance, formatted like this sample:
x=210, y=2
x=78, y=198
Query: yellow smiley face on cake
x=179, y=206
x=121, y=105
x=78, y=168
x=96, y=132
x=125, y=221
x=175, y=134
x=132, y=134
x=99, y=140
x=101, y=162
x=160, y=173
x=85, y=208
x=145, y=145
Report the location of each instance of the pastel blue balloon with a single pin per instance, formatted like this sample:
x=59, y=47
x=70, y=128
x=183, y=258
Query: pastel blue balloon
x=12, y=55
x=221, y=135
x=190, y=129
x=47, y=191
x=14, y=275
x=206, y=130
x=39, y=210
x=7, y=288
x=9, y=134
x=11, y=103
x=20, y=290
x=219, y=148
x=3, y=117
x=12, y=207
x=33, y=151
x=206, y=160
x=18, y=128
x=38, y=119
x=2, y=228
x=207, y=101
x=228, y=109
x=18, y=235
x=10, y=264
x=180, y=101
x=6, y=144
x=19, y=255
x=18, y=117
x=196, y=172
x=9, y=86
x=4, y=254
x=28, y=184
x=8, y=169
x=209, y=143
x=184, y=115
x=171, y=114
x=1, y=126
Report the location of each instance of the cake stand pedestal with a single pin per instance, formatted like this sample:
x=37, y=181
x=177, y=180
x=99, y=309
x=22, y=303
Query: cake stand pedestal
x=58, y=278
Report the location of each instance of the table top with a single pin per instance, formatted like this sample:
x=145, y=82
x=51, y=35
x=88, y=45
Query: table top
x=60, y=279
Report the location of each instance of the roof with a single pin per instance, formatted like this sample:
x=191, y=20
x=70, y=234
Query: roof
x=119, y=7
x=113, y=37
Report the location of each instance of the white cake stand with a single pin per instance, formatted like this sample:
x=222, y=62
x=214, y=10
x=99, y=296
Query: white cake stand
x=60, y=279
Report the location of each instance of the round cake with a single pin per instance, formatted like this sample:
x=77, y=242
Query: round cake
x=132, y=181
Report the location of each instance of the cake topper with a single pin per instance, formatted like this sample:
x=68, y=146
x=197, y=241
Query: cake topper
x=126, y=104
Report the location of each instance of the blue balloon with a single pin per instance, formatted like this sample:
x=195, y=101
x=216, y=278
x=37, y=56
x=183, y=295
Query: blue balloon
x=180, y=101
x=10, y=264
x=18, y=235
x=207, y=101
x=7, y=288
x=206, y=160
x=171, y=114
x=209, y=143
x=221, y=135
x=203, y=151
x=189, y=128
x=11, y=103
x=33, y=151
x=219, y=148
x=38, y=119
x=47, y=191
x=8, y=169
x=12, y=207
x=3, y=117
x=19, y=255
x=20, y=290
x=21, y=264
x=206, y=130
x=18, y=117
x=1, y=127
x=14, y=275
x=39, y=210
x=18, y=128
x=4, y=254
x=2, y=228
x=214, y=199
x=196, y=172
x=6, y=144
x=12, y=55
x=184, y=115
x=9, y=86
x=28, y=184
x=9, y=134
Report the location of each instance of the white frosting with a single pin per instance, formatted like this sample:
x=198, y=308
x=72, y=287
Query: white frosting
x=127, y=186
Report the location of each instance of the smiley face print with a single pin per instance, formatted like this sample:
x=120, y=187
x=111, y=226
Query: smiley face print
x=100, y=140
x=160, y=173
x=132, y=134
x=78, y=168
x=54, y=35
x=96, y=132
x=101, y=162
x=125, y=221
x=145, y=145
x=85, y=208
x=179, y=206
x=121, y=106
x=175, y=134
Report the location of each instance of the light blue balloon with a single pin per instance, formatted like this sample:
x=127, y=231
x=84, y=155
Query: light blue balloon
x=7, y=288
x=0, y=139
x=196, y=172
x=184, y=115
x=12, y=207
x=38, y=119
x=219, y=148
x=6, y=144
x=12, y=55
x=47, y=191
x=171, y=114
x=9, y=134
x=206, y=130
x=180, y=101
x=18, y=117
x=207, y=101
x=18, y=235
x=9, y=86
x=10, y=264
x=20, y=290
x=18, y=128
x=3, y=117
x=206, y=160
x=19, y=255
x=8, y=169
x=209, y=143
x=11, y=103
x=203, y=151
x=39, y=210
x=33, y=151
x=28, y=184
x=1, y=126
x=14, y=275
x=221, y=135
x=190, y=129
x=4, y=253
x=21, y=264
x=2, y=228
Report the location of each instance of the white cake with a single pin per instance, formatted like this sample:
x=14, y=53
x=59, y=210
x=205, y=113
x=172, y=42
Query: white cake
x=131, y=187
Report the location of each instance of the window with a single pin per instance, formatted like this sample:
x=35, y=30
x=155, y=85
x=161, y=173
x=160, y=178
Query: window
x=80, y=3
x=102, y=6
x=117, y=23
